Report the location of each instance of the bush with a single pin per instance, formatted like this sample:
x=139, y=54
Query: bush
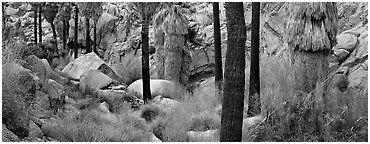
x=93, y=126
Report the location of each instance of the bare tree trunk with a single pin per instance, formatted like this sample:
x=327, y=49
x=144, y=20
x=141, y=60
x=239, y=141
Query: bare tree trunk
x=40, y=24
x=218, y=57
x=95, y=50
x=88, y=47
x=145, y=56
x=35, y=25
x=254, y=106
x=76, y=33
x=64, y=35
x=234, y=82
x=55, y=36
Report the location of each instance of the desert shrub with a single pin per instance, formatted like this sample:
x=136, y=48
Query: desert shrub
x=302, y=116
x=93, y=126
x=194, y=112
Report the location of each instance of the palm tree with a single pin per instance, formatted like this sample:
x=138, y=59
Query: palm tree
x=76, y=31
x=146, y=10
x=234, y=77
x=218, y=57
x=65, y=12
x=50, y=12
x=311, y=36
x=171, y=21
x=40, y=22
x=95, y=14
x=254, y=106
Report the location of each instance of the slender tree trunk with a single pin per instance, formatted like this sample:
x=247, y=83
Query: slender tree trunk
x=145, y=58
x=95, y=50
x=55, y=36
x=254, y=106
x=40, y=24
x=35, y=25
x=234, y=82
x=76, y=33
x=218, y=57
x=88, y=47
x=64, y=34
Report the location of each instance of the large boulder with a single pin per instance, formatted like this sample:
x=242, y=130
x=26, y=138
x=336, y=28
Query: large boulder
x=105, y=30
x=8, y=136
x=204, y=136
x=94, y=79
x=35, y=131
x=165, y=103
x=43, y=70
x=162, y=87
x=87, y=62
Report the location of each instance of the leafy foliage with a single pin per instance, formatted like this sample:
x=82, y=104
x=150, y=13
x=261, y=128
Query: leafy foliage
x=312, y=26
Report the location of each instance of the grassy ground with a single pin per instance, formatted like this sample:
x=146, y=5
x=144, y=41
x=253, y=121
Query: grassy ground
x=290, y=116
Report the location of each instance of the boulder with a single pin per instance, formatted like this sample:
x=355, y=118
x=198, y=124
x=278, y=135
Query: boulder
x=104, y=107
x=87, y=62
x=153, y=138
x=8, y=136
x=341, y=54
x=206, y=136
x=357, y=76
x=346, y=41
x=165, y=103
x=35, y=131
x=162, y=87
x=251, y=121
x=82, y=64
x=56, y=94
x=93, y=79
x=105, y=30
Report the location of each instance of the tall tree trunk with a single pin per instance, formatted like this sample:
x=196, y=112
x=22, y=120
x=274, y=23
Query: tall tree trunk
x=218, y=57
x=64, y=34
x=254, y=106
x=234, y=82
x=173, y=47
x=88, y=47
x=55, y=36
x=160, y=53
x=76, y=32
x=40, y=24
x=35, y=25
x=145, y=56
x=95, y=50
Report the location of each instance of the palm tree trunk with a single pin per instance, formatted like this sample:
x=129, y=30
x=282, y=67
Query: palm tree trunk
x=76, y=33
x=88, y=47
x=55, y=36
x=254, y=106
x=145, y=57
x=35, y=25
x=234, y=82
x=160, y=53
x=173, y=48
x=218, y=57
x=64, y=34
x=95, y=50
x=40, y=24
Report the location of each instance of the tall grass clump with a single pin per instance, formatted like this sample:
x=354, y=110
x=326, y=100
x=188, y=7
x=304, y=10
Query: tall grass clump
x=95, y=126
x=194, y=112
x=301, y=116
